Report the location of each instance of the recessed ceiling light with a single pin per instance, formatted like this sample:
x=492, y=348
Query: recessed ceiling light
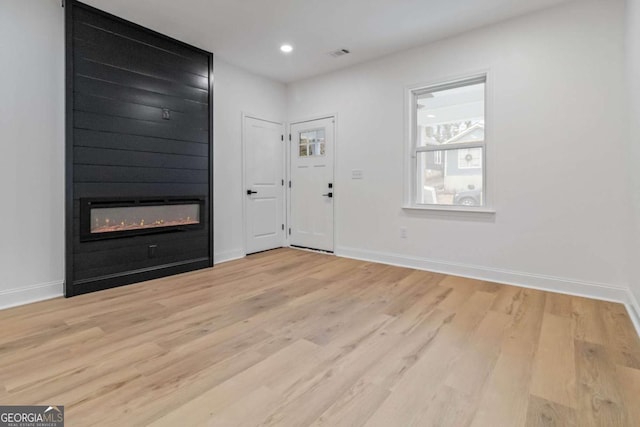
x=286, y=48
x=431, y=116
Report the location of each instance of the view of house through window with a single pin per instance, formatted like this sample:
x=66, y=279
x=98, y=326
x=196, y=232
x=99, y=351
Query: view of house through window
x=449, y=144
x=312, y=143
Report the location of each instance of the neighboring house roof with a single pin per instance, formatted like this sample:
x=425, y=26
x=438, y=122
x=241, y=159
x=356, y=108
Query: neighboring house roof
x=467, y=135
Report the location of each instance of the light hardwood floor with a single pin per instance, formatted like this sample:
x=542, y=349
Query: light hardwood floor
x=294, y=338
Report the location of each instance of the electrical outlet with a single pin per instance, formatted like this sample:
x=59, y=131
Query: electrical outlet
x=403, y=232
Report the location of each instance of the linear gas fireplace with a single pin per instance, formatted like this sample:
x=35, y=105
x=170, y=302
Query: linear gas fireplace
x=111, y=218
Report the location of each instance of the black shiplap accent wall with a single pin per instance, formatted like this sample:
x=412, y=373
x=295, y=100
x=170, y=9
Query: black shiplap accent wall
x=120, y=77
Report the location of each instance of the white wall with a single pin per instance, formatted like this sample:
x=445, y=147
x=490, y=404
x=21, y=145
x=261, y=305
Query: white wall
x=32, y=150
x=557, y=146
x=556, y=135
x=633, y=79
x=236, y=91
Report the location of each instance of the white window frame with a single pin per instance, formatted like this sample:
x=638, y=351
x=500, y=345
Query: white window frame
x=411, y=157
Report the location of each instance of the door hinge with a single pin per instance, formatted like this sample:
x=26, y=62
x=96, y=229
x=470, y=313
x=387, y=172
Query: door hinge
x=283, y=182
x=289, y=137
x=289, y=232
x=289, y=184
x=282, y=227
x=281, y=137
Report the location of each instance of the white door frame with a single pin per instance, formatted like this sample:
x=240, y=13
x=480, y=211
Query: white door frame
x=245, y=116
x=336, y=189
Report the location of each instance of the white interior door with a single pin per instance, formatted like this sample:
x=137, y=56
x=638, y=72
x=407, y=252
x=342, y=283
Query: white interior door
x=312, y=190
x=264, y=185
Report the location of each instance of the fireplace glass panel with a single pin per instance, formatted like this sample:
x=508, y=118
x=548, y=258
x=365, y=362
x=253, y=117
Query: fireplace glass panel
x=107, y=220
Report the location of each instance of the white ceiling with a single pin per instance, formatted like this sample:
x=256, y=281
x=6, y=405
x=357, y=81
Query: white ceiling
x=248, y=33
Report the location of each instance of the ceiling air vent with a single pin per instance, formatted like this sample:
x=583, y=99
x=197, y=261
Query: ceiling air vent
x=339, y=52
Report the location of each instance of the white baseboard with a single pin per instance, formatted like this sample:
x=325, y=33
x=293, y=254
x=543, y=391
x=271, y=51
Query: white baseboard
x=228, y=256
x=633, y=307
x=507, y=277
x=20, y=296
x=28, y=294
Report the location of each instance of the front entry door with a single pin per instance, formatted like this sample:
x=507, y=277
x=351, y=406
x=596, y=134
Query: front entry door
x=312, y=189
x=264, y=185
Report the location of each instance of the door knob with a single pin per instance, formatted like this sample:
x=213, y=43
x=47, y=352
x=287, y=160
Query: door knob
x=329, y=195
x=249, y=192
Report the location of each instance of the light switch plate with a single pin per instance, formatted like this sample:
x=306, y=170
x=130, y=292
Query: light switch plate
x=357, y=174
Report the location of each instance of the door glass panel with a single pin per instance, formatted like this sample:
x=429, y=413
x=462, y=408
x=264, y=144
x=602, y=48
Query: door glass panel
x=312, y=143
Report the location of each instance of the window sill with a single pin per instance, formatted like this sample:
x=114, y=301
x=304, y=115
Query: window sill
x=456, y=209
